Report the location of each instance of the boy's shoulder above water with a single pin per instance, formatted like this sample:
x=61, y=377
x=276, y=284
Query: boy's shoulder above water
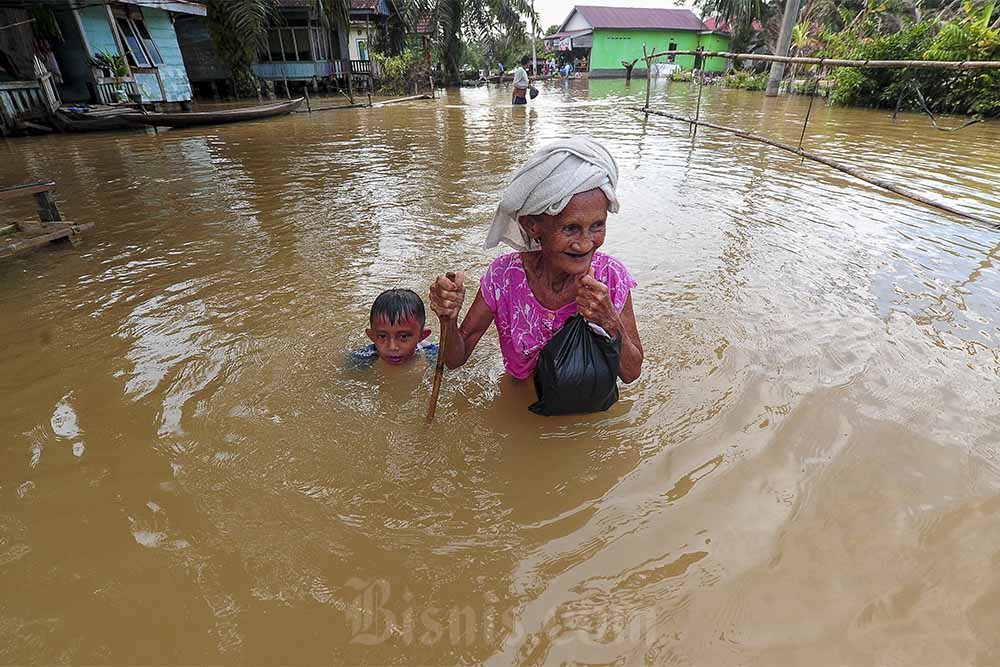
x=365, y=357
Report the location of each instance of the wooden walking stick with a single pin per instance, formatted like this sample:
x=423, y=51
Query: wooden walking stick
x=439, y=368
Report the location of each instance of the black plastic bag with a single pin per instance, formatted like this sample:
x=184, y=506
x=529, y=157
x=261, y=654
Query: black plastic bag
x=532, y=92
x=577, y=371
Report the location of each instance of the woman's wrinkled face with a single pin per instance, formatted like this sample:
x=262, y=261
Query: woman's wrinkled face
x=569, y=239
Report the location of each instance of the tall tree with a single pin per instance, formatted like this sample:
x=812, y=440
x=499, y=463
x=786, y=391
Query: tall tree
x=482, y=21
x=239, y=30
x=741, y=15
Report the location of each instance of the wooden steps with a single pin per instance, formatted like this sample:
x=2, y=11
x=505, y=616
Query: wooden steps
x=24, y=236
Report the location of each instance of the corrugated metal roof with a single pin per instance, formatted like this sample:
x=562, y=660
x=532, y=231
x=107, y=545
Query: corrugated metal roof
x=176, y=6
x=568, y=33
x=640, y=18
x=364, y=4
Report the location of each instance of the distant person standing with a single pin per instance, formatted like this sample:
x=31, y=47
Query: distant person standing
x=500, y=69
x=521, y=82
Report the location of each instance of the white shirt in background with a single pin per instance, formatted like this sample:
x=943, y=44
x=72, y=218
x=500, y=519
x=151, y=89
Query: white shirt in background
x=520, y=78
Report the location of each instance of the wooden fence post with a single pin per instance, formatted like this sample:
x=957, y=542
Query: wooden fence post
x=350, y=81
x=649, y=73
x=48, y=211
x=628, y=69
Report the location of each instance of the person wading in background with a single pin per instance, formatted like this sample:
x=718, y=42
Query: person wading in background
x=521, y=82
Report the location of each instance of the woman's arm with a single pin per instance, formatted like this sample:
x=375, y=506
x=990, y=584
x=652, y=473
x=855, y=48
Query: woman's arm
x=446, y=298
x=462, y=340
x=594, y=303
x=632, y=352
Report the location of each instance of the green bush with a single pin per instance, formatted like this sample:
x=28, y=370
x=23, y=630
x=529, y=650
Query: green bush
x=968, y=37
x=682, y=76
x=807, y=87
x=397, y=73
x=743, y=79
x=971, y=91
x=875, y=87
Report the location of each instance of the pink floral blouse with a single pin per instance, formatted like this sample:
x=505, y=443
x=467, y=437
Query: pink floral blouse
x=524, y=325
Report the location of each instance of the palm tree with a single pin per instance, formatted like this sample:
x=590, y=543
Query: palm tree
x=239, y=31
x=739, y=14
x=488, y=22
x=239, y=27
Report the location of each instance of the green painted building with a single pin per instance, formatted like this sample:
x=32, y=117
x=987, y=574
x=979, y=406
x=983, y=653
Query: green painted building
x=598, y=39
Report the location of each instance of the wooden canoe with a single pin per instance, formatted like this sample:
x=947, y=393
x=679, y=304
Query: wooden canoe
x=84, y=122
x=193, y=118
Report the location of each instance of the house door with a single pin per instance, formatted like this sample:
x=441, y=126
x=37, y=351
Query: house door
x=671, y=47
x=362, y=50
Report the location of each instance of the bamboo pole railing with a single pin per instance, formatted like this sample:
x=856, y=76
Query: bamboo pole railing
x=847, y=169
x=835, y=62
x=649, y=56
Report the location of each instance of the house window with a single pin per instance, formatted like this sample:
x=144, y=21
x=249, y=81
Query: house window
x=147, y=41
x=303, y=43
x=283, y=45
x=362, y=50
x=671, y=47
x=140, y=49
x=275, y=52
x=321, y=40
x=295, y=41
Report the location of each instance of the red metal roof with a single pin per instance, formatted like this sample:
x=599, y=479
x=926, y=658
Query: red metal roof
x=640, y=18
x=716, y=25
x=721, y=25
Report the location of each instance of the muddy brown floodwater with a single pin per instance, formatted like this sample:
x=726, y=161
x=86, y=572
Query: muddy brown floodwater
x=807, y=471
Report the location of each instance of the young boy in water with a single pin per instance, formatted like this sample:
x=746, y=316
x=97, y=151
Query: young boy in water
x=396, y=328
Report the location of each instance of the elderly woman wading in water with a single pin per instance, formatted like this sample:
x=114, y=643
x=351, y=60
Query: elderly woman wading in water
x=554, y=214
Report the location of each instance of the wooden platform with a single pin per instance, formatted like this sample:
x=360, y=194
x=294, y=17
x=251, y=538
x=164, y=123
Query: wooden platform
x=36, y=234
x=23, y=236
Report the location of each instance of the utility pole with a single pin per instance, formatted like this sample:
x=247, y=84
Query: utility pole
x=784, y=42
x=534, y=32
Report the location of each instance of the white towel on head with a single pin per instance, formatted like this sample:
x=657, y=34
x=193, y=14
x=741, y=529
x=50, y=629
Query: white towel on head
x=547, y=182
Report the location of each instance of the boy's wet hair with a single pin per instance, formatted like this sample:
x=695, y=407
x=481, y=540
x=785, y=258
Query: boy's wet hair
x=394, y=305
x=525, y=60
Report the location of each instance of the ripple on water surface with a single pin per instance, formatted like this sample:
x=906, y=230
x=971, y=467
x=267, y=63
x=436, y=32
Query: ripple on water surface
x=806, y=471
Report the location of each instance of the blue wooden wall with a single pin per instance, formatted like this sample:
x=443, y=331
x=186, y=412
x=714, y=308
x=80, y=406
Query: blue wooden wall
x=98, y=29
x=161, y=29
x=293, y=71
x=175, y=80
